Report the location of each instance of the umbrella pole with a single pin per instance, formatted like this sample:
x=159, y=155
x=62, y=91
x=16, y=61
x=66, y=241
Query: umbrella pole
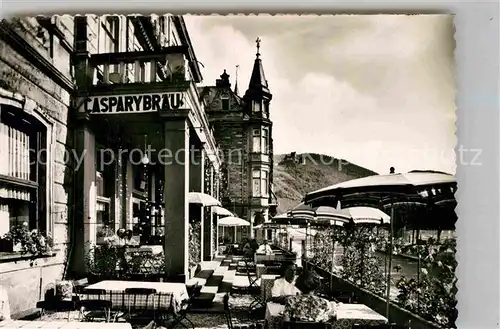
x=389, y=265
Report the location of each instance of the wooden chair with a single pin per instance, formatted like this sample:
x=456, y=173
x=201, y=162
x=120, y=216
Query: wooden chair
x=140, y=305
x=186, y=307
x=227, y=312
x=56, y=306
x=94, y=307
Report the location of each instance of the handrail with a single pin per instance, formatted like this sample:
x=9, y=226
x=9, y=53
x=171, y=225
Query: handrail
x=133, y=56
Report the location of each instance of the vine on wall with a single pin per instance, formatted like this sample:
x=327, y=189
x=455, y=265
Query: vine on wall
x=194, y=244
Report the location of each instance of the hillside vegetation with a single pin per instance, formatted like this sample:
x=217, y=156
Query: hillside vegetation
x=297, y=174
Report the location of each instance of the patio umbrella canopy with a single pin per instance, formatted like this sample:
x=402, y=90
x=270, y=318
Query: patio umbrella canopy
x=232, y=221
x=377, y=190
x=319, y=214
x=203, y=199
x=367, y=215
x=222, y=211
x=422, y=187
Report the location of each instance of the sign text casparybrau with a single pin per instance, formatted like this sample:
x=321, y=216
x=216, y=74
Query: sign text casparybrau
x=134, y=103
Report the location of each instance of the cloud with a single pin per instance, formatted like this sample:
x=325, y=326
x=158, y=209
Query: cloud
x=376, y=90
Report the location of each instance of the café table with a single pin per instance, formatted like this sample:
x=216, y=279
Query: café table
x=347, y=316
x=168, y=294
x=18, y=324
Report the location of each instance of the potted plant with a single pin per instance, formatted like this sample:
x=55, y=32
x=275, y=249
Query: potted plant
x=103, y=233
x=29, y=242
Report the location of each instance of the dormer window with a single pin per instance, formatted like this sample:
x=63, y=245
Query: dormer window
x=257, y=106
x=225, y=102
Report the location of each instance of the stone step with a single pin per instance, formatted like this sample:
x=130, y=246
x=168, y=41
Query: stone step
x=210, y=289
x=221, y=270
x=229, y=276
x=194, y=281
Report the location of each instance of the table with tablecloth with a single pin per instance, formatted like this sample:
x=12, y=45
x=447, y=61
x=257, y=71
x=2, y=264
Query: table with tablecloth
x=347, y=316
x=11, y=324
x=169, y=295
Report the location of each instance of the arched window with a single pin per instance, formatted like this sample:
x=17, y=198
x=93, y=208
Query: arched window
x=23, y=170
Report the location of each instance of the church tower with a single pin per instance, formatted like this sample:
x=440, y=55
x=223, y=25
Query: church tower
x=256, y=100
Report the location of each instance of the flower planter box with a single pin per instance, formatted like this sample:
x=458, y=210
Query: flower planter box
x=377, y=303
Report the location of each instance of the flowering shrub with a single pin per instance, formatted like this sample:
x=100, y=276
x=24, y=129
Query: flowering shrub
x=360, y=264
x=102, y=260
x=433, y=293
x=31, y=241
x=104, y=232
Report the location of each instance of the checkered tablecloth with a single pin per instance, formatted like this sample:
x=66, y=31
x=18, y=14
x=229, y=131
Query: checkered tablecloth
x=11, y=324
x=347, y=316
x=169, y=294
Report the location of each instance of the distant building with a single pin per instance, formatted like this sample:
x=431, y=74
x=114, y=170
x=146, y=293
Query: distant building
x=243, y=131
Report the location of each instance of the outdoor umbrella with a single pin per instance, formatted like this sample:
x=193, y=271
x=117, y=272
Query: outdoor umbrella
x=424, y=187
x=222, y=211
x=367, y=215
x=232, y=221
x=203, y=199
x=385, y=189
x=323, y=214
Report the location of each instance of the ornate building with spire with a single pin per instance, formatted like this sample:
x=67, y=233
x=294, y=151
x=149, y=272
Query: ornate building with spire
x=243, y=130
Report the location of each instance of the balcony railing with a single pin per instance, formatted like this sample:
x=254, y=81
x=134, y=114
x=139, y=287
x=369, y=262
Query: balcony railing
x=168, y=65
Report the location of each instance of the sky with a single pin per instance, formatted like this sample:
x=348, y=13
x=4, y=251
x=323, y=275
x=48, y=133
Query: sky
x=374, y=90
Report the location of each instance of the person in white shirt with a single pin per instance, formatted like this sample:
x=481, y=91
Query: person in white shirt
x=265, y=249
x=284, y=287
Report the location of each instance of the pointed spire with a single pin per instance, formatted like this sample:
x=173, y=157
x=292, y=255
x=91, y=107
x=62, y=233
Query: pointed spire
x=236, y=81
x=258, y=82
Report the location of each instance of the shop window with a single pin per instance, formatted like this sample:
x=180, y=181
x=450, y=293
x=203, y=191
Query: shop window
x=22, y=171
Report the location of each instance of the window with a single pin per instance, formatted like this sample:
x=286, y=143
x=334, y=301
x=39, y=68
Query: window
x=265, y=141
x=225, y=102
x=260, y=183
x=161, y=23
x=22, y=171
x=257, y=106
x=265, y=113
x=256, y=141
x=264, y=184
x=111, y=34
x=104, y=190
x=256, y=183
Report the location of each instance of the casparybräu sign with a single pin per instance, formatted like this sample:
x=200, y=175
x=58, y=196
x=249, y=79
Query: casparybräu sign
x=133, y=103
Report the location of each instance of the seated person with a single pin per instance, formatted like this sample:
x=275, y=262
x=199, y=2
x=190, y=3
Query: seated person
x=284, y=287
x=308, y=307
x=248, y=251
x=264, y=249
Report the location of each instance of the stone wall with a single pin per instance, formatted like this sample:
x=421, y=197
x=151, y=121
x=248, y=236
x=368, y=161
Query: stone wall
x=21, y=75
